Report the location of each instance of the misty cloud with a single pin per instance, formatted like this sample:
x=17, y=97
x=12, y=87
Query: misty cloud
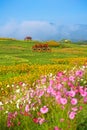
x=8, y=29
x=42, y=30
x=35, y=29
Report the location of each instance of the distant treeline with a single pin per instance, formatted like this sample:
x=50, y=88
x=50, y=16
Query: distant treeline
x=81, y=42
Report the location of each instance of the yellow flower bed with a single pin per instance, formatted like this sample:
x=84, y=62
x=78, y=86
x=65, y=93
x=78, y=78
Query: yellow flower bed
x=26, y=73
x=53, y=43
x=70, y=61
x=14, y=68
x=30, y=73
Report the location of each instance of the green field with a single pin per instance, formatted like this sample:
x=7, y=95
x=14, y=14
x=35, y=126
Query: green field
x=22, y=68
x=16, y=52
x=13, y=53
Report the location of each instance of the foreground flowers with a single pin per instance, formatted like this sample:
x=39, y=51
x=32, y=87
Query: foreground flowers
x=54, y=102
x=44, y=110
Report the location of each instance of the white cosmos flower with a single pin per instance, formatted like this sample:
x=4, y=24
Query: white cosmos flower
x=6, y=102
x=18, y=100
x=12, y=85
x=8, y=86
x=29, y=101
x=6, y=112
x=17, y=105
x=33, y=108
x=17, y=86
x=1, y=103
x=50, y=75
x=24, y=101
x=23, y=84
x=82, y=79
x=18, y=91
x=11, y=102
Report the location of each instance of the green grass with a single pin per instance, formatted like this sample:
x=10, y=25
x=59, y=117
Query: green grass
x=19, y=52
x=16, y=52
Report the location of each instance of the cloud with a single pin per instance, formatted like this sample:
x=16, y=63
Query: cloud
x=42, y=30
x=36, y=29
x=8, y=29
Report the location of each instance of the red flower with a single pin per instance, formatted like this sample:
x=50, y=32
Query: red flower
x=35, y=120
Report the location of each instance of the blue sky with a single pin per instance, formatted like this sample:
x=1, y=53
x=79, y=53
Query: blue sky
x=16, y=15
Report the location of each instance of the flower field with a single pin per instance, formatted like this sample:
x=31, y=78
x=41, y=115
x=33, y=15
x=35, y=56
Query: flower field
x=43, y=90
x=53, y=102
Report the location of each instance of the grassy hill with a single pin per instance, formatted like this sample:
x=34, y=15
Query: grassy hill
x=18, y=62
x=16, y=52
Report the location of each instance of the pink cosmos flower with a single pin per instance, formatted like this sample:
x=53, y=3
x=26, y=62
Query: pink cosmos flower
x=80, y=108
x=85, y=89
x=15, y=114
x=65, y=79
x=51, y=82
x=27, y=108
x=72, y=93
x=71, y=78
x=85, y=99
x=53, y=92
x=9, y=124
x=60, y=74
x=72, y=115
x=41, y=121
x=20, y=83
x=74, y=101
x=9, y=119
x=79, y=73
x=40, y=93
x=59, y=86
x=43, y=80
x=70, y=84
x=74, y=109
x=82, y=91
x=44, y=110
x=50, y=89
x=56, y=128
x=63, y=101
